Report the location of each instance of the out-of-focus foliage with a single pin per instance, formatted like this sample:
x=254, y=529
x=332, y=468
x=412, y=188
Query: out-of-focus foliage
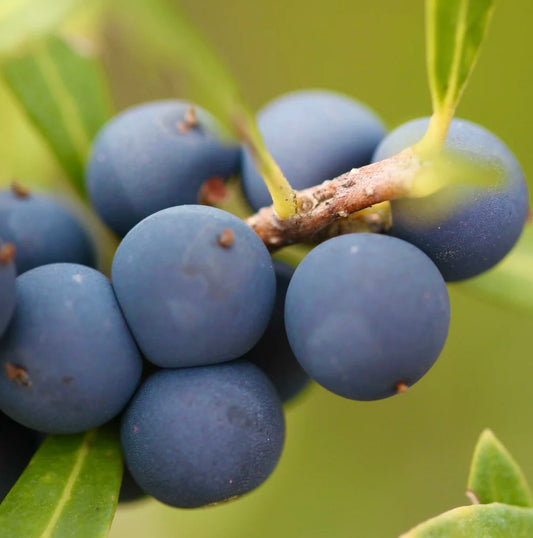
x=63, y=91
x=23, y=22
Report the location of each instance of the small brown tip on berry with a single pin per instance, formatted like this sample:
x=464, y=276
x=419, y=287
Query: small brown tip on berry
x=7, y=253
x=226, y=238
x=189, y=120
x=19, y=190
x=401, y=388
x=213, y=191
x=529, y=216
x=474, y=499
x=17, y=374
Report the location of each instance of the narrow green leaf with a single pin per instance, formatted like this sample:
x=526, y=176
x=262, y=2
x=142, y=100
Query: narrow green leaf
x=160, y=29
x=454, y=32
x=70, y=488
x=495, y=476
x=478, y=521
x=511, y=282
x=64, y=94
x=24, y=21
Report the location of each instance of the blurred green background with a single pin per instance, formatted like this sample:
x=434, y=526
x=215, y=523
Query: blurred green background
x=353, y=469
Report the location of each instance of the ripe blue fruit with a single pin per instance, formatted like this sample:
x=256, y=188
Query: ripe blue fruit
x=129, y=489
x=42, y=230
x=313, y=135
x=196, y=436
x=154, y=156
x=67, y=361
x=196, y=285
x=7, y=284
x=273, y=353
x=486, y=222
x=366, y=315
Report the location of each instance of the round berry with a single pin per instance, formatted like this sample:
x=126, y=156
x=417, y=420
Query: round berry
x=196, y=285
x=42, y=230
x=153, y=156
x=197, y=436
x=67, y=361
x=366, y=315
x=486, y=222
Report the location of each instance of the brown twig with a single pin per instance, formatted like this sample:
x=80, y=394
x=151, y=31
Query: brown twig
x=336, y=199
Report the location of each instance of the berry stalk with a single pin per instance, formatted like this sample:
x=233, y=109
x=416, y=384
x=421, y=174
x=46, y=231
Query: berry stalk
x=336, y=199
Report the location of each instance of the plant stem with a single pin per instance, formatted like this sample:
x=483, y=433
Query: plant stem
x=335, y=199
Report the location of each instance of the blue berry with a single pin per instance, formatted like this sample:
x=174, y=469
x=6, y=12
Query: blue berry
x=7, y=284
x=366, y=315
x=67, y=361
x=485, y=225
x=42, y=230
x=196, y=436
x=273, y=353
x=151, y=157
x=313, y=135
x=196, y=285
x=130, y=491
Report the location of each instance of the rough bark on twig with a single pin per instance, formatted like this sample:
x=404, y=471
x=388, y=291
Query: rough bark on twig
x=335, y=199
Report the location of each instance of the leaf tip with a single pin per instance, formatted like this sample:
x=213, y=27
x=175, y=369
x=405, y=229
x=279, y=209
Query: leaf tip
x=487, y=435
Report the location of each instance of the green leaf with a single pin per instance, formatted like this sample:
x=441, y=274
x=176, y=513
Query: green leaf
x=64, y=94
x=478, y=521
x=511, y=282
x=495, y=476
x=24, y=21
x=160, y=29
x=70, y=488
x=454, y=32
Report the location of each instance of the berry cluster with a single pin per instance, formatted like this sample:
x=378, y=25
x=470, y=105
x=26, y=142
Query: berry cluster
x=227, y=336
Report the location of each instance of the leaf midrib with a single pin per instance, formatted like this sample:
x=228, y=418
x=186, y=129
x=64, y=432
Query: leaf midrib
x=63, y=500
x=68, y=109
x=459, y=42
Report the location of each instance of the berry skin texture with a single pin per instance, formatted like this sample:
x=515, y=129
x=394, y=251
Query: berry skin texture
x=7, y=285
x=484, y=226
x=197, y=436
x=67, y=361
x=188, y=299
x=149, y=158
x=273, y=353
x=313, y=135
x=366, y=315
x=43, y=231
